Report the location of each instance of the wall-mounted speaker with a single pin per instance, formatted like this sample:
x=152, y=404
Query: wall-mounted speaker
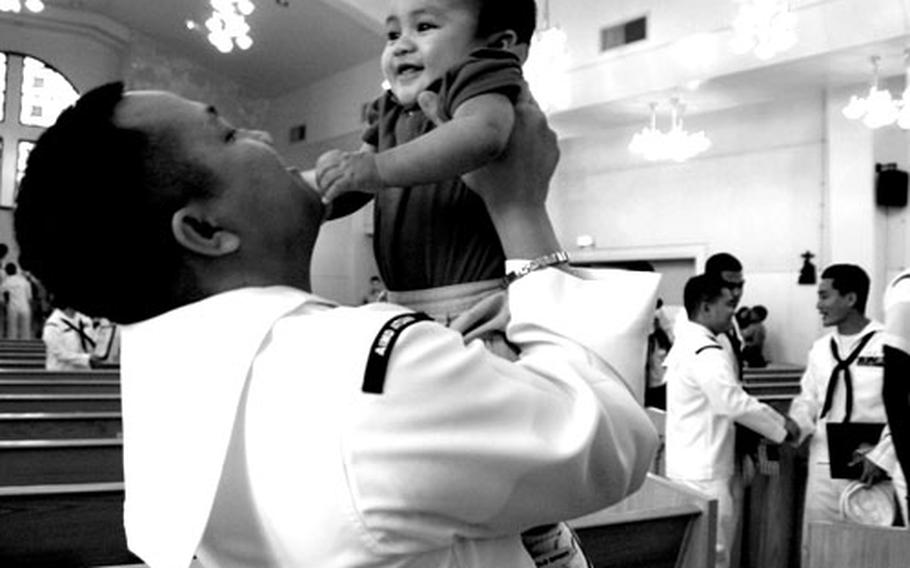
x=890, y=186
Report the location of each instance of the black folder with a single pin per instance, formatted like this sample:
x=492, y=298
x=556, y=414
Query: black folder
x=846, y=437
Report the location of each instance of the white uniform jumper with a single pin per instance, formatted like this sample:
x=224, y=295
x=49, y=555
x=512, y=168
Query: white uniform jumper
x=704, y=401
x=69, y=342
x=269, y=447
x=897, y=335
x=826, y=397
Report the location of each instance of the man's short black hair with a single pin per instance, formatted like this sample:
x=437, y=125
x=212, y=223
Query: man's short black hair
x=701, y=289
x=93, y=213
x=519, y=16
x=847, y=278
x=722, y=262
x=760, y=312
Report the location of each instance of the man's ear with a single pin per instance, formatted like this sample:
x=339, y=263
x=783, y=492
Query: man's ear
x=194, y=232
x=851, y=298
x=506, y=39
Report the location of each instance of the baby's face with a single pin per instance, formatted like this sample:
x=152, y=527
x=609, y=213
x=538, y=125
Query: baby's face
x=424, y=39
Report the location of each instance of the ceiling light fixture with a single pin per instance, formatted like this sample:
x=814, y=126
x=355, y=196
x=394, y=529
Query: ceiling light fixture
x=548, y=64
x=227, y=25
x=764, y=27
x=877, y=108
x=16, y=5
x=676, y=144
x=903, y=117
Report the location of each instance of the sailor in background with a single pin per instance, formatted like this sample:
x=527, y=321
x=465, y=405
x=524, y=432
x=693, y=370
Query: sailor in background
x=705, y=399
x=896, y=389
x=842, y=384
x=69, y=338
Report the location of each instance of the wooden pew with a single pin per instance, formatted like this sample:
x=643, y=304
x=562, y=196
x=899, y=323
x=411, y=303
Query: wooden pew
x=63, y=526
x=35, y=346
x=10, y=403
x=662, y=525
x=60, y=425
x=45, y=375
x=59, y=386
x=838, y=545
x=772, y=504
x=44, y=462
x=30, y=363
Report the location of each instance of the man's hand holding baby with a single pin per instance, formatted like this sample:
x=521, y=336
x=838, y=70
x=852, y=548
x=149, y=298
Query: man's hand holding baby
x=339, y=172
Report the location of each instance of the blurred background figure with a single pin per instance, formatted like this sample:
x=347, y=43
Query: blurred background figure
x=69, y=337
x=377, y=292
x=17, y=294
x=743, y=316
x=754, y=334
x=659, y=344
x=107, y=342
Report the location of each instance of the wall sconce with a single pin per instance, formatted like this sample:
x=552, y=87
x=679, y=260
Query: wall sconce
x=807, y=273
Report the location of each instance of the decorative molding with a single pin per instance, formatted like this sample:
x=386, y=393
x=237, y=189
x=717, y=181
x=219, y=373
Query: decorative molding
x=73, y=22
x=696, y=252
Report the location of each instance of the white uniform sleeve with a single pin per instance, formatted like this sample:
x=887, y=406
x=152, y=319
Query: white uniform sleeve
x=57, y=346
x=883, y=454
x=464, y=444
x=897, y=316
x=806, y=406
x=727, y=397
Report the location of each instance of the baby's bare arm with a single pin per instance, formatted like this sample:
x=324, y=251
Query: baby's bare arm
x=477, y=134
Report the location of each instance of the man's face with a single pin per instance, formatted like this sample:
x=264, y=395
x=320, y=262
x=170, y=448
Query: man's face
x=833, y=306
x=735, y=282
x=424, y=39
x=718, y=314
x=275, y=214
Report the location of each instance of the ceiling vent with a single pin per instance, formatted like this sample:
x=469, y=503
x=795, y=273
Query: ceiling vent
x=624, y=33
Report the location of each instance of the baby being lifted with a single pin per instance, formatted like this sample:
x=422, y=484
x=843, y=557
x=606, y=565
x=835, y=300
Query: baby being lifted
x=463, y=58
x=456, y=63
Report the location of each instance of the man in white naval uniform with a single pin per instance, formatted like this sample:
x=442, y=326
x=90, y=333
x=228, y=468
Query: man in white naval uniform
x=265, y=426
x=896, y=389
x=842, y=383
x=705, y=400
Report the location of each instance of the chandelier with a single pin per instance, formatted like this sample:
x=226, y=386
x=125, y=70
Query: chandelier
x=548, y=64
x=676, y=144
x=16, y=5
x=878, y=108
x=227, y=25
x=764, y=27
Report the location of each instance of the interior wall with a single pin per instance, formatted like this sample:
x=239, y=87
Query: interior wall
x=757, y=193
x=331, y=110
x=88, y=50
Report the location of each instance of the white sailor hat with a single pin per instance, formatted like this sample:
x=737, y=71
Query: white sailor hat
x=872, y=505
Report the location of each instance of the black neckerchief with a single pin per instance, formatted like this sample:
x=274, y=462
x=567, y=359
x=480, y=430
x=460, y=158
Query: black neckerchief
x=843, y=367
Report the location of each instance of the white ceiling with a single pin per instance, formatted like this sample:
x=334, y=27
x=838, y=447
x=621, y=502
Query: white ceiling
x=311, y=39
x=293, y=45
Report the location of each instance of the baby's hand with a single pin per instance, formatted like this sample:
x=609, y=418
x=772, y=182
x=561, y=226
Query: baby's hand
x=340, y=172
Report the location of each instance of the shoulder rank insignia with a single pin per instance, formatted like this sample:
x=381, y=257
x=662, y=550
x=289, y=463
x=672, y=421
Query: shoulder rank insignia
x=381, y=350
x=709, y=346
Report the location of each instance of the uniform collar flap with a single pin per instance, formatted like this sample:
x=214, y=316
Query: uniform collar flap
x=182, y=375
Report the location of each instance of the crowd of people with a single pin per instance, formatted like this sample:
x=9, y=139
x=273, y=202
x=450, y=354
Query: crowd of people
x=464, y=419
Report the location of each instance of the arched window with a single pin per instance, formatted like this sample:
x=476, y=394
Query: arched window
x=32, y=96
